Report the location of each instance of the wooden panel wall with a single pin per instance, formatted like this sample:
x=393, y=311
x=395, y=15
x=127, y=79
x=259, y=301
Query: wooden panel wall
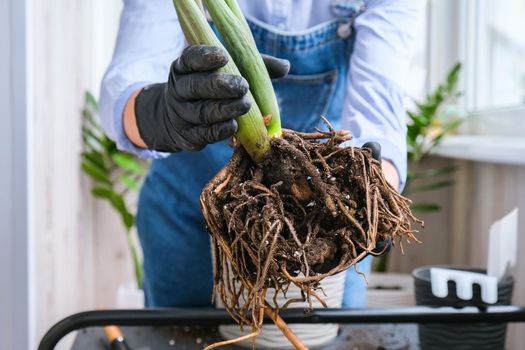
x=458, y=234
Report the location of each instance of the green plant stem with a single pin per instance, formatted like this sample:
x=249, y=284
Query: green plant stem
x=240, y=43
x=201, y=6
x=252, y=132
x=234, y=7
x=137, y=264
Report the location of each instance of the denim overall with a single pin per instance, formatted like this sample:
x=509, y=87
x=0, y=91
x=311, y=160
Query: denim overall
x=177, y=254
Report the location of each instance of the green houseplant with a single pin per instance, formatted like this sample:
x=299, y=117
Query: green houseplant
x=426, y=128
x=425, y=131
x=113, y=173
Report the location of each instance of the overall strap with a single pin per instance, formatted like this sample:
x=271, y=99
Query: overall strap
x=349, y=9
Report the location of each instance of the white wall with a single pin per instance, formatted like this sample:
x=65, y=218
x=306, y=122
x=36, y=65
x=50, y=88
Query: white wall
x=75, y=238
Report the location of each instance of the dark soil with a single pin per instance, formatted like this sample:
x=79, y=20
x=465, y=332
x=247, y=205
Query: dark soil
x=310, y=210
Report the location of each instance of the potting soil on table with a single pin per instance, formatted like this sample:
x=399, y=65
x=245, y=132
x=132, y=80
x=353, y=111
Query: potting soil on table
x=358, y=337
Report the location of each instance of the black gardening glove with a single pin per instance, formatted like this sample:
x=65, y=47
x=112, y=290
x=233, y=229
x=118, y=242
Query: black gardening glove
x=198, y=105
x=382, y=246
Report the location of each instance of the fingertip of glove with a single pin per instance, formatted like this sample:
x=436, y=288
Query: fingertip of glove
x=285, y=66
x=245, y=104
x=375, y=147
x=215, y=54
x=243, y=85
x=234, y=126
x=240, y=106
x=383, y=246
x=196, y=58
x=277, y=67
x=236, y=85
x=227, y=129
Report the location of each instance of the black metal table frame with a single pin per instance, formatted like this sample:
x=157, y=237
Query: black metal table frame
x=212, y=317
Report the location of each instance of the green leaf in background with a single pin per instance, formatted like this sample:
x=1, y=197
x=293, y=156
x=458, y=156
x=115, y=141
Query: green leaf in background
x=99, y=139
x=127, y=162
x=96, y=173
x=428, y=110
x=425, y=207
x=453, y=77
x=91, y=101
x=418, y=120
x=89, y=121
x=102, y=192
x=447, y=130
x=129, y=182
x=432, y=186
x=434, y=172
x=96, y=159
x=422, y=126
x=117, y=201
x=102, y=161
x=451, y=127
x=111, y=146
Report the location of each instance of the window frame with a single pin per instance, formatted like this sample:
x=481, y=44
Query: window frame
x=451, y=28
x=469, y=31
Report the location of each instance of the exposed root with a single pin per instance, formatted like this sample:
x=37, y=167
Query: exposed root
x=288, y=333
x=233, y=341
x=310, y=210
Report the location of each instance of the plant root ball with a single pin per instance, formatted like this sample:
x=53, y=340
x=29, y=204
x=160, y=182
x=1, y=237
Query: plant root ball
x=310, y=210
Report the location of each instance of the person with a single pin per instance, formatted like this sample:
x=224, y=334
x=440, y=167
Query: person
x=349, y=61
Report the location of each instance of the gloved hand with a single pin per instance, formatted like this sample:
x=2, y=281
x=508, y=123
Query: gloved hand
x=382, y=246
x=198, y=105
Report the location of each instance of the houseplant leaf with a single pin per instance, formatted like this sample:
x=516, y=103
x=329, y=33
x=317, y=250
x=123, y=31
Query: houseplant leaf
x=127, y=162
x=95, y=172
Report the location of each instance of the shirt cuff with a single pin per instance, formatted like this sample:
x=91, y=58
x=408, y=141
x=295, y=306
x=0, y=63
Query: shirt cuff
x=122, y=140
x=389, y=151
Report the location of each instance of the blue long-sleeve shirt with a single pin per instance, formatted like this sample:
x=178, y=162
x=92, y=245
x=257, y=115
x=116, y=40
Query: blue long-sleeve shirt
x=150, y=38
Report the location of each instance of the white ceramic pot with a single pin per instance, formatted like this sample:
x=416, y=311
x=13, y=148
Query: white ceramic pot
x=390, y=290
x=313, y=336
x=129, y=296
